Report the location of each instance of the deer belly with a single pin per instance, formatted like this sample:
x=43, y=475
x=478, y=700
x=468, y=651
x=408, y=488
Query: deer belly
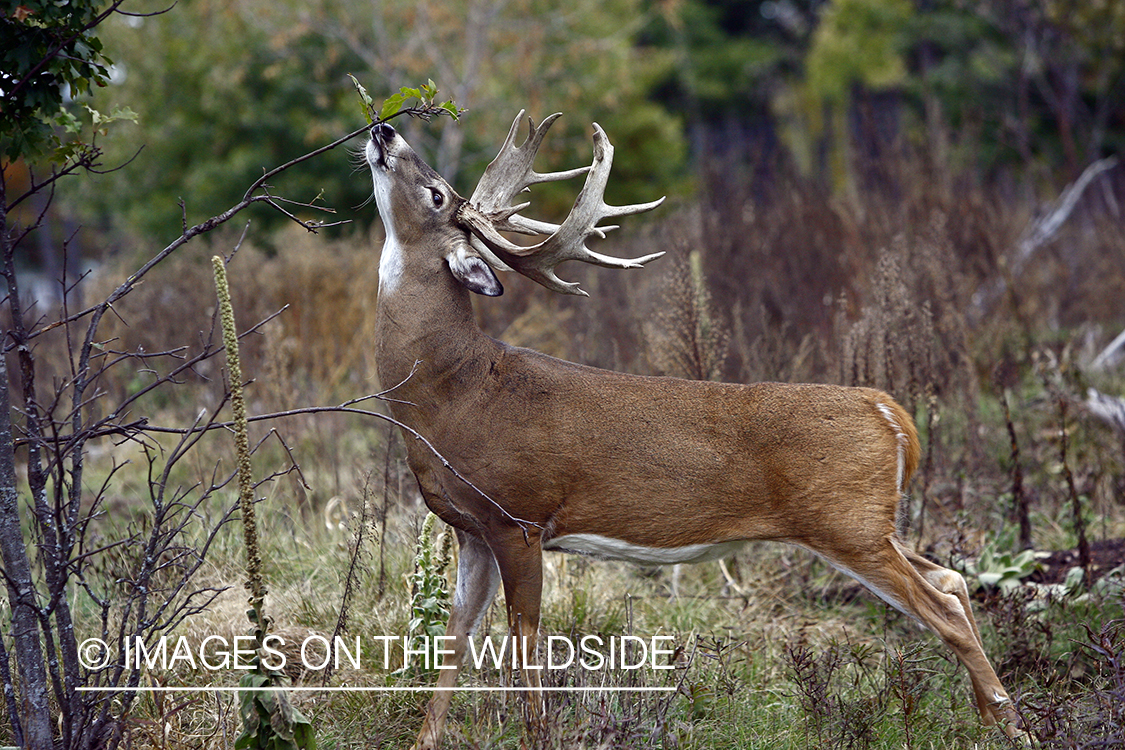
x=615, y=549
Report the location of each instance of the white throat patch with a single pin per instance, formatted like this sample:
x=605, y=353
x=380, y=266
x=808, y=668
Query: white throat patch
x=390, y=261
x=390, y=264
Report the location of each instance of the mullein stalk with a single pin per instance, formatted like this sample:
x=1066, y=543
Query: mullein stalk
x=268, y=719
x=242, y=450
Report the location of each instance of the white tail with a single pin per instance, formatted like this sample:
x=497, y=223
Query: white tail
x=572, y=458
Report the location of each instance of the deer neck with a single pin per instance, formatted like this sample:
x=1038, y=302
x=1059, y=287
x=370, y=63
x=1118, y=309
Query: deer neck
x=425, y=326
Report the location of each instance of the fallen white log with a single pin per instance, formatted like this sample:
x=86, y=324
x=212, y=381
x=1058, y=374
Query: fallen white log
x=1038, y=234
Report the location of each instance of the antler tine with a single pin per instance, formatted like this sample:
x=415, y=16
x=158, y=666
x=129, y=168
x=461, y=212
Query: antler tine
x=512, y=172
x=486, y=214
x=568, y=240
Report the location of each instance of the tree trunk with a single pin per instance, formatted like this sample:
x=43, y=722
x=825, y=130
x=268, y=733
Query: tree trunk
x=35, y=733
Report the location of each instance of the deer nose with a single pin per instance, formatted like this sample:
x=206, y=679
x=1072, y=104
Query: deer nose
x=383, y=131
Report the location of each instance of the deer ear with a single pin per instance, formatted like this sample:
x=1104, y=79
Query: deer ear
x=472, y=272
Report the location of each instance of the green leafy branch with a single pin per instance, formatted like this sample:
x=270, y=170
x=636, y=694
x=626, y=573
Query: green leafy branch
x=47, y=48
x=426, y=109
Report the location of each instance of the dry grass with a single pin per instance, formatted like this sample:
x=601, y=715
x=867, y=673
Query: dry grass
x=788, y=283
x=319, y=345
x=793, y=655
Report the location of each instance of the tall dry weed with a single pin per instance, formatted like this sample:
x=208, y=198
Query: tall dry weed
x=685, y=336
x=891, y=345
x=324, y=295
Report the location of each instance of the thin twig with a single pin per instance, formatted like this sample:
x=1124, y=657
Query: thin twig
x=346, y=409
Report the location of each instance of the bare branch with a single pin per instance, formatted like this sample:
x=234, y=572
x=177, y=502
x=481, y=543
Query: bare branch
x=190, y=233
x=258, y=183
x=1037, y=234
x=1110, y=355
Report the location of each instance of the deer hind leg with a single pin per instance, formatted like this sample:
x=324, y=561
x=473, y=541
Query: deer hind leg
x=997, y=706
x=946, y=581
x=939, y=600
x=477, y=581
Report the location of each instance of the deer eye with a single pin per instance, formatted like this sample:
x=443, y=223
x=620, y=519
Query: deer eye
x=437, y=197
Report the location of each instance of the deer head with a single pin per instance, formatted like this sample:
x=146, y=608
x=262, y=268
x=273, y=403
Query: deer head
x=414, y=199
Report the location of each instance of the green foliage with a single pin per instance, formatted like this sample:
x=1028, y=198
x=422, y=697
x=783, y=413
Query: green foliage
x=723, y=57
x=429, y=601
x=269, y=720
x=76, y=146
x=702, y=700
x=368, y=104
x=1002, y=570
x=1038, y=82
x=222, y=93
x=988, y=83
x=858, y=42
x=393, y=104
x=48, y=50
x=426, y=108
x=225, y=91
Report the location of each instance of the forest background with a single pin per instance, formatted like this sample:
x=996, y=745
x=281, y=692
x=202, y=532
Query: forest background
x=917, y=195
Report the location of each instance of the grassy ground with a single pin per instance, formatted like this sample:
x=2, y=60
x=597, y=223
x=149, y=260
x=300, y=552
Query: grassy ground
x=792, y=655
x=776, y=282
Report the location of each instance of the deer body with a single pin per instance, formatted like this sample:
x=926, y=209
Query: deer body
x=702, y=463
x=554, y=455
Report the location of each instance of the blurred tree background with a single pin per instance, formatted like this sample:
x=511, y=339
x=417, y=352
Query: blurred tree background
x=908, y=194
x=224, y=90
x=798, y=138
x=1021, y=92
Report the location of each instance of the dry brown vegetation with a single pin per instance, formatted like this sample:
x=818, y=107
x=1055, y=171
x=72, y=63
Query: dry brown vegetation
x=768, y=276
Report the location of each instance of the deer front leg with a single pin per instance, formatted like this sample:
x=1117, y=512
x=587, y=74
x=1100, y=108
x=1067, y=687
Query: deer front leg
x=477, y=581
x=521, y=569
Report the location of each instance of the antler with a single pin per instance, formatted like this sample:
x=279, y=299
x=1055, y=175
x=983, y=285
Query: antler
x=487, y=213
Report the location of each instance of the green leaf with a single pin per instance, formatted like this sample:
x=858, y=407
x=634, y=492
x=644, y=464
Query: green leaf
x=453, y=110
x=102, y=120
x=246, y=740
x=365, y=98
x=1074, y=579
x=990, y=579
x=124, y=113
x=269, y=702
x=68, y=121
x=304, y=734
x=248, y=711
x=391, y=106
x=253, y=680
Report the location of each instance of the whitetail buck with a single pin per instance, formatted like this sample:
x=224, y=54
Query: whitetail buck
x=655, y=470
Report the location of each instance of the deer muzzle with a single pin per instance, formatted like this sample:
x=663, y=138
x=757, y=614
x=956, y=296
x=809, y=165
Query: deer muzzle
x=382, y=135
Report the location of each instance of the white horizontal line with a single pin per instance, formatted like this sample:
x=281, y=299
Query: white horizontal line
x=358, y=689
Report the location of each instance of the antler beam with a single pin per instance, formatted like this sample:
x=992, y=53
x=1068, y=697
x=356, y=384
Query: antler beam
x=488, y=212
